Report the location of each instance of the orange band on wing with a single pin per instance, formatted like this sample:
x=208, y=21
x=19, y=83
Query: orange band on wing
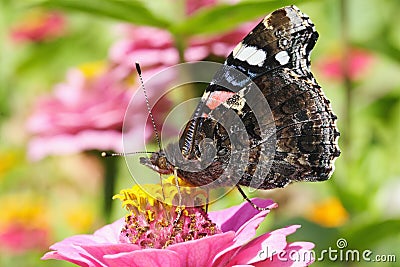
x=217, y=98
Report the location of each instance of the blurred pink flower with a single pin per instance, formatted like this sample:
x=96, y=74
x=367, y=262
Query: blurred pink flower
x=86, y=112
x=359, y=62
x=224, y=238
x=154, y=48
x=24, y=224
x=17, y=239
x=39, y=26
x=193, y=6
x=218, y=44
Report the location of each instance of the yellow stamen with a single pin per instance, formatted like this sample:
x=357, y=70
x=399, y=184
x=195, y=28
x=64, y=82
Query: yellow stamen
x=141, y=197
x=155, y=222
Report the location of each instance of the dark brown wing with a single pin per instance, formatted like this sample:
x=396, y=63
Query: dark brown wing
x=275, y=55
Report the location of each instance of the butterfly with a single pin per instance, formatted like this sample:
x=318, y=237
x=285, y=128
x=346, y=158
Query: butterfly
x=263, y=122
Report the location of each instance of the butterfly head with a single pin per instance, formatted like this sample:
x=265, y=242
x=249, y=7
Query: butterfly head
x=158, y=162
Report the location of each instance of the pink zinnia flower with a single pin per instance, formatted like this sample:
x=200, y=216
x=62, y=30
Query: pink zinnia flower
x=39, y=26
x=152, y=47
x=83, y=113
x=87, y=111
x=17, y=239
x=149, y=237
x=24, y=224
x=155, y=48
x=359, y=62
x=193, y=6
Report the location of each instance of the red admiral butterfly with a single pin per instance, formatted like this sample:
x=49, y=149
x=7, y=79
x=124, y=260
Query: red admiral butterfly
x=292, y=139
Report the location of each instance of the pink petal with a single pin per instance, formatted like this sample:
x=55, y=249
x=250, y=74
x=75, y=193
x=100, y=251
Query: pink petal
x=19, y=238
x=99, y=251
x=193, y=6
x=233, y=218
x=63, y=144
x=296, y=254
x=110, y=233
x=71, y=249
x=195, y=53
x=244, y=220
x=145, y=257
x=50, y=26
x=201, y=252
x=359, y=61
x=264, y=247
x=75, y=259
x=248, y=229
x=299, y=254
x=268, y=243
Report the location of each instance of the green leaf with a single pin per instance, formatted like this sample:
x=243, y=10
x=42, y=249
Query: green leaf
x=130, y=11
x=364, y=237
x=224, y=17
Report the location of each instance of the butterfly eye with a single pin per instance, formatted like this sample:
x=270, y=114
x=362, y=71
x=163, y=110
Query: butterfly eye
x=162, y=163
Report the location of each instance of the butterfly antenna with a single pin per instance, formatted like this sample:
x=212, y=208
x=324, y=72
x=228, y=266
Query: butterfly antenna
x=139, y=71
x=105, y=154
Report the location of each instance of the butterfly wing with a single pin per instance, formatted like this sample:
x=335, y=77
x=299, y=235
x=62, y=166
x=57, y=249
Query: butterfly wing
x=275, y=55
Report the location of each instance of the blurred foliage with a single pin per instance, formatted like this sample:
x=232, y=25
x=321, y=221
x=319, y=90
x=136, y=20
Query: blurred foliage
x=366, y=181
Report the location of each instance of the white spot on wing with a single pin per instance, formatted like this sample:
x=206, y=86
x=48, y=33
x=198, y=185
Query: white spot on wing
x=282, y=57
x=294, y=14
x=246, y=52
x=251, y=54
x=237, y=49
x=257, y=58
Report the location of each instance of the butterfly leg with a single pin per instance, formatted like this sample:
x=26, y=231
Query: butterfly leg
x=207, y=200
x=179, y=207
x=249, y=200
x=162, y=187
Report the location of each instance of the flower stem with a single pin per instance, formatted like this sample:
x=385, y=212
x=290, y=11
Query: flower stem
x=346, y=76
x=110, y=175
x=180, y=45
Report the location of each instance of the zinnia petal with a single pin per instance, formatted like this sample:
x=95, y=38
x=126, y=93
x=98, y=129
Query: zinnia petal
x=71, y=249
x=244, y=220
x=263, y=250
x=202, y=251
x=233, y=218
x=146, y=257
x=129, y=241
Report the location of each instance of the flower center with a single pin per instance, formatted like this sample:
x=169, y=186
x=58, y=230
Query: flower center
x=152, y=221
